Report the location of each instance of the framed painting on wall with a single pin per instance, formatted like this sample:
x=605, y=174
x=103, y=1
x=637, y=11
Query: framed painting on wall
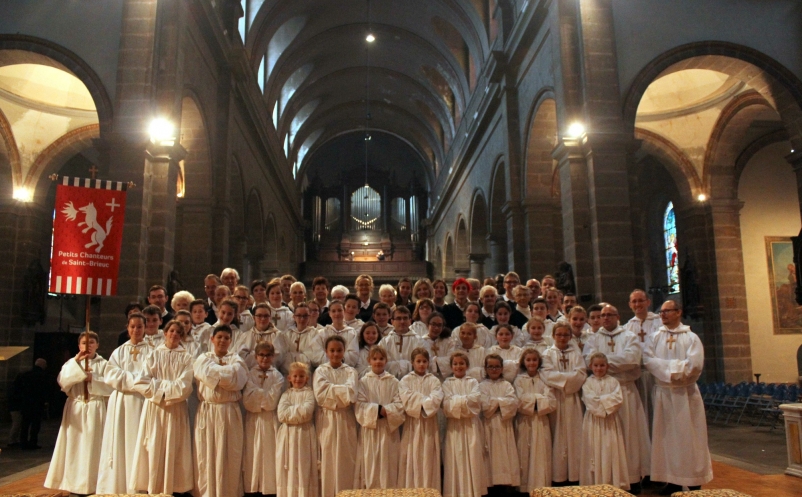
x=782, y=282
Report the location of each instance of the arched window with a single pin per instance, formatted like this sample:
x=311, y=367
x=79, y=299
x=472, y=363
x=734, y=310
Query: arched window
x=670, y=245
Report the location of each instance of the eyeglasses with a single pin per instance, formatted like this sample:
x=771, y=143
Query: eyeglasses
x=492, y=367
x=666, y=311
x=262, y=316
x=264, y=355
x=302, y=316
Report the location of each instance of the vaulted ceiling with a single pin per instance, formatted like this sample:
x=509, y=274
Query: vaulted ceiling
x=322, y=79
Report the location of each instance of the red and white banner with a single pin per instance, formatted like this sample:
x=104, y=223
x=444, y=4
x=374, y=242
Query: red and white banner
x=87, y=236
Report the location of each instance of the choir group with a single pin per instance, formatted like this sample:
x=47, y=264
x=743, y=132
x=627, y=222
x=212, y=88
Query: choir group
x=505, y=393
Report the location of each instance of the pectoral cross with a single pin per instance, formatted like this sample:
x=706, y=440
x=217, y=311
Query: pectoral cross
x=262, y=377
x=564, y=360
x=86, y=383
x=221, y=361
x=435, y=348
x=298, y=344
x=642, y=334
x=611, y=343
x=671, y=341
x=400, y=342
x=93, y=171
x=134, y=352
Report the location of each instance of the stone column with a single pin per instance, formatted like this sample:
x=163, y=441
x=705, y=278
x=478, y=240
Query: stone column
x=577, y=247
x=498, y=257
x=516, y=256
x=538, y=219
x=477, y=265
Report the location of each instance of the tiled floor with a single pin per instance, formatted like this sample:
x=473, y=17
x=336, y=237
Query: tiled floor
x=744, y=458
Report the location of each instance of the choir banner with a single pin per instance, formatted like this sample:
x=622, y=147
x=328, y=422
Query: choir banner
x=87, y=236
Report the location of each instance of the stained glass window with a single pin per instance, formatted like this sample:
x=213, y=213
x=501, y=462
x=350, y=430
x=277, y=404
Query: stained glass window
x=670, y=244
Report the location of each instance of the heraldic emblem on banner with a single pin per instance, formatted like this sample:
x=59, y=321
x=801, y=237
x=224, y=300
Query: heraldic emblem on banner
x=87, y=236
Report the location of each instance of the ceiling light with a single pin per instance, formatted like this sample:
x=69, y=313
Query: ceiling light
x=23, y=194
x=575, y=130
x=701, y=197
x=162, y=132
x=370, y=38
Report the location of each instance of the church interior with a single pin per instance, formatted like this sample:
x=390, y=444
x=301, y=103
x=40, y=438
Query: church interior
x=649, y=144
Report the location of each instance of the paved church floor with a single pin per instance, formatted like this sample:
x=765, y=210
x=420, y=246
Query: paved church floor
x=744, y=458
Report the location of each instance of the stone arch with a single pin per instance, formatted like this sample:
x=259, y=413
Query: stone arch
x=52, y=158
x=18, y=49
x=479, y=222
x=779, y=86
x=675, y=161
x=254, y=236
x=448, y=265
x=461, y=248
x=498, y=222
x=9, y=158
x=542, y=209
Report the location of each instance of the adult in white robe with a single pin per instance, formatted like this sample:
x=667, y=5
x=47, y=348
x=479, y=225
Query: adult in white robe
x=464, y=462
x=281, y=316
x=604, y=457
x=399, y=346
x=675, y=357
x=296, y=456
x=535, y=401
x=335, y=393
x=162, y=459
x=420, y=442
x=624, y=359
x=218, y=423
x=564, y=370
x=643, y=324
x=379, y=437
x=499, y=405
x=76, y=457
x=260, y=398
x=127, y=375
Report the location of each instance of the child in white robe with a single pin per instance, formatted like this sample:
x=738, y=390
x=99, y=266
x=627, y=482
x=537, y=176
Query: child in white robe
x=280, y=314
x=335, y=386
x=465, y=462
x=188, y=342
x=201, y=330
x=369, y=336
x=511, y=354
x=400, y=343
x=162, y=462
x=127, y=375
x=300, y=343
x=437, y=342
x=74, y=465
x=473, y=313
x=604, y=458
x=339, y=328
x=153, y=321
x=468, y=346
x=535, y=329
x=535, y=401
x=380, y=413
x=260, y=398
x=564, y=370
x=227, y=315
x=296, y=456
x=499, y=405
x=221, y=376
x=421, y=394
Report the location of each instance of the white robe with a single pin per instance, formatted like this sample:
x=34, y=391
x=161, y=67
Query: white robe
x=419, y=328
x=153, y=340
x=604, y=456
x=162, y=459
x=351, y=343
x=484, y=337
x=74, y=465
x=247, y=342
x=518, y=336
x=300, y=346
x=260, y=398
x=335, y=392
x=296, y=456
x=566, y=420
x=535, y=401
x=464, y=463
x=281, y=317
x=127, y=375
x=420, y=442
x=512, y=360
x=202, y=333
x=476, y=358
x=624, y=357
x=246, y=321
x=399, y=348
x=379, y=439
x=499, y=405
x=439, y=347
x=218, y=424
x=643, y=329
x=541, y=346
x=680, y=453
